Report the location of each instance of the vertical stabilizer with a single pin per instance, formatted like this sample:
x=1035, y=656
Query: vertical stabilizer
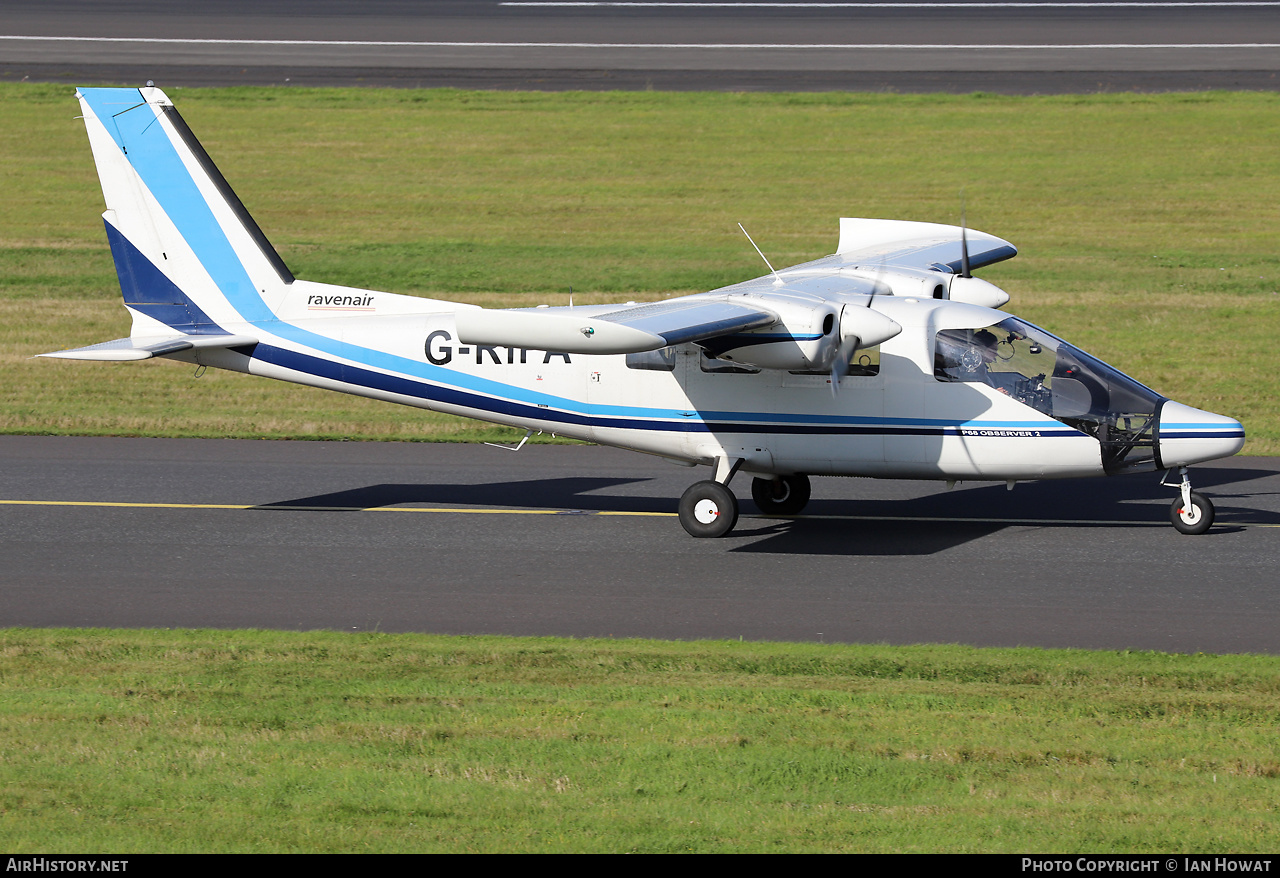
x=188, y=255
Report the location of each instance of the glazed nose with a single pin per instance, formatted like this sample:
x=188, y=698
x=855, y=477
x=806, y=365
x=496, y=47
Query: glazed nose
x=1190, y=435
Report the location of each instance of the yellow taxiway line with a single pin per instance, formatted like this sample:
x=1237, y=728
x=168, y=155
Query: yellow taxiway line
x=458, y=510
x=271, y=507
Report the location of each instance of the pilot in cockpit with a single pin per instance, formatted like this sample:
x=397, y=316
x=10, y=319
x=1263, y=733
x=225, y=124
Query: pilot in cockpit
x=965, y=359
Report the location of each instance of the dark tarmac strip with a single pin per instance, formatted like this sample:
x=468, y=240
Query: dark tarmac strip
x=579, y=541
x=1012, y=48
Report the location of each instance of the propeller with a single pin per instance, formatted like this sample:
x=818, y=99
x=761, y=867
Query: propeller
x=845, y=350
x=851, y=341
x=964, y=287
x=859, y=328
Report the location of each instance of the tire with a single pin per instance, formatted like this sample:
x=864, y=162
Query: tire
x=785, y=495
x=708, y=509
x=1197, y=519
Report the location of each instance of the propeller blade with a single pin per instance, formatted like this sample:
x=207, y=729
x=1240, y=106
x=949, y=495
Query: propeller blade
x=840, y=365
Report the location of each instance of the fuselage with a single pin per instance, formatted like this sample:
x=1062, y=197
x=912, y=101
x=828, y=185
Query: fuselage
x=895, y=415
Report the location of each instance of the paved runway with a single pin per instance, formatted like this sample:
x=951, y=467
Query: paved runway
x=579, y=541
x=1013, y=47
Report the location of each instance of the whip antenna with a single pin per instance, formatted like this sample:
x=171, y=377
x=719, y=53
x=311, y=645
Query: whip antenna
x=777, y=279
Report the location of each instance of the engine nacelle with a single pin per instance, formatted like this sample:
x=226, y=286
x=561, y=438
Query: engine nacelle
x=806, y=338
x=976, y=291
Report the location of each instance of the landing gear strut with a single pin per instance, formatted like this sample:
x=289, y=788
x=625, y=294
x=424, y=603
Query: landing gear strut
x=1192, y=512
x=781, y=495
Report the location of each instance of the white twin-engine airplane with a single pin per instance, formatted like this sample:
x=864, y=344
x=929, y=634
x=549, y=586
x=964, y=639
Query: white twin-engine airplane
x=884, y=360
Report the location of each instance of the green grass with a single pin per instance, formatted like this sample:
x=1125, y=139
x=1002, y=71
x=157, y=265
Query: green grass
x=133, y=741
x=1146, y=223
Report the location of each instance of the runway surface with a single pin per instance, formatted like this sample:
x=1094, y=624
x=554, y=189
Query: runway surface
x=1015, y=47
x=580, y=541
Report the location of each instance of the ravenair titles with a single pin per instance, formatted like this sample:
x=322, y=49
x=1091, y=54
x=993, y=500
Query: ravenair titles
x=440, y=352
x=342, y=302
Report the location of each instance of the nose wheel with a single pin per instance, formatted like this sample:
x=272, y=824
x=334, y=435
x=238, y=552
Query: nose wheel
x=1192, y=516
x=1192, y=512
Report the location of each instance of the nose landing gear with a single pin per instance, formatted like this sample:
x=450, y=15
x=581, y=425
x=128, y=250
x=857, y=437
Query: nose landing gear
x=1192, y=512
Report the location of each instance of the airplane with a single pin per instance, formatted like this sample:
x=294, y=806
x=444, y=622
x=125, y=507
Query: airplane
x=887, y=359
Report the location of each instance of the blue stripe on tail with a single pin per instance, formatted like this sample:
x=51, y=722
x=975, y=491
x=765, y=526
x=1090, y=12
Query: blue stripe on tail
x=146, y=289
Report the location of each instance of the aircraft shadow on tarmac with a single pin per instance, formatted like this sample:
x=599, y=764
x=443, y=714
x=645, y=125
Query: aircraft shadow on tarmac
x=567, y=494
x=945, y=519
x=920, y=525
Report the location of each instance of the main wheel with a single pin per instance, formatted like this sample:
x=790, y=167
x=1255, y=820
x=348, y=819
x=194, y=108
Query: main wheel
x=783, y=495
x=708, y=509
x=1195, y=519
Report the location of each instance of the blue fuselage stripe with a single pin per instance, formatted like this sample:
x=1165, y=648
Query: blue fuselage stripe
x=735, y=422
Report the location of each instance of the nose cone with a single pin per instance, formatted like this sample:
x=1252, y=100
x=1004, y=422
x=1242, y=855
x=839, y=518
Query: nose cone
x=1190, y=435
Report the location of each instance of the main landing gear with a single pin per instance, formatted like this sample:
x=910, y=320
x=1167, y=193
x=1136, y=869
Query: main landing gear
x=781, y=495
x=1192, y=512
x=709, y=508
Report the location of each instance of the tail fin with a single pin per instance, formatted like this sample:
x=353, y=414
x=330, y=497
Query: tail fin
x=189, y=257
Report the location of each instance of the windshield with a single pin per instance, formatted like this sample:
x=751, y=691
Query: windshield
x=1060, y=380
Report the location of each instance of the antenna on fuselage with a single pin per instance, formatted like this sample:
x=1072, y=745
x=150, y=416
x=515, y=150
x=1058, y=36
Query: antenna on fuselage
x=777, y=278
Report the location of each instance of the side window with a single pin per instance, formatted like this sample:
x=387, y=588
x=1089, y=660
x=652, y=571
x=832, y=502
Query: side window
x=964, y=354
x=864, y=363
x=661, y=360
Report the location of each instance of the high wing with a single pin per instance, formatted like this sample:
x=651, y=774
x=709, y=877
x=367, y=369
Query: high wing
x=792, y=305
x=911, y=245
x=611, y=330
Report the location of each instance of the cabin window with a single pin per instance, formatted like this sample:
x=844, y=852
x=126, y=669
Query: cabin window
x=865, y=363
x=661, y=360
x=968, y=355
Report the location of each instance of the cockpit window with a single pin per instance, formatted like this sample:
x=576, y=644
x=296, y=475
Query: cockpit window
x=1036, y=368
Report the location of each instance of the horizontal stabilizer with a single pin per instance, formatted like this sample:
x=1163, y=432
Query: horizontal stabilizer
x=143, y=348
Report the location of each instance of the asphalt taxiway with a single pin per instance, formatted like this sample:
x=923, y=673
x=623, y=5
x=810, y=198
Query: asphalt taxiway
x=581, y=541
x=1008, y=47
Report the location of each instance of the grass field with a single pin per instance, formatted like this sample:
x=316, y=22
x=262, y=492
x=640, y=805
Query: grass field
x=1147, y=225
x=128, y=741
